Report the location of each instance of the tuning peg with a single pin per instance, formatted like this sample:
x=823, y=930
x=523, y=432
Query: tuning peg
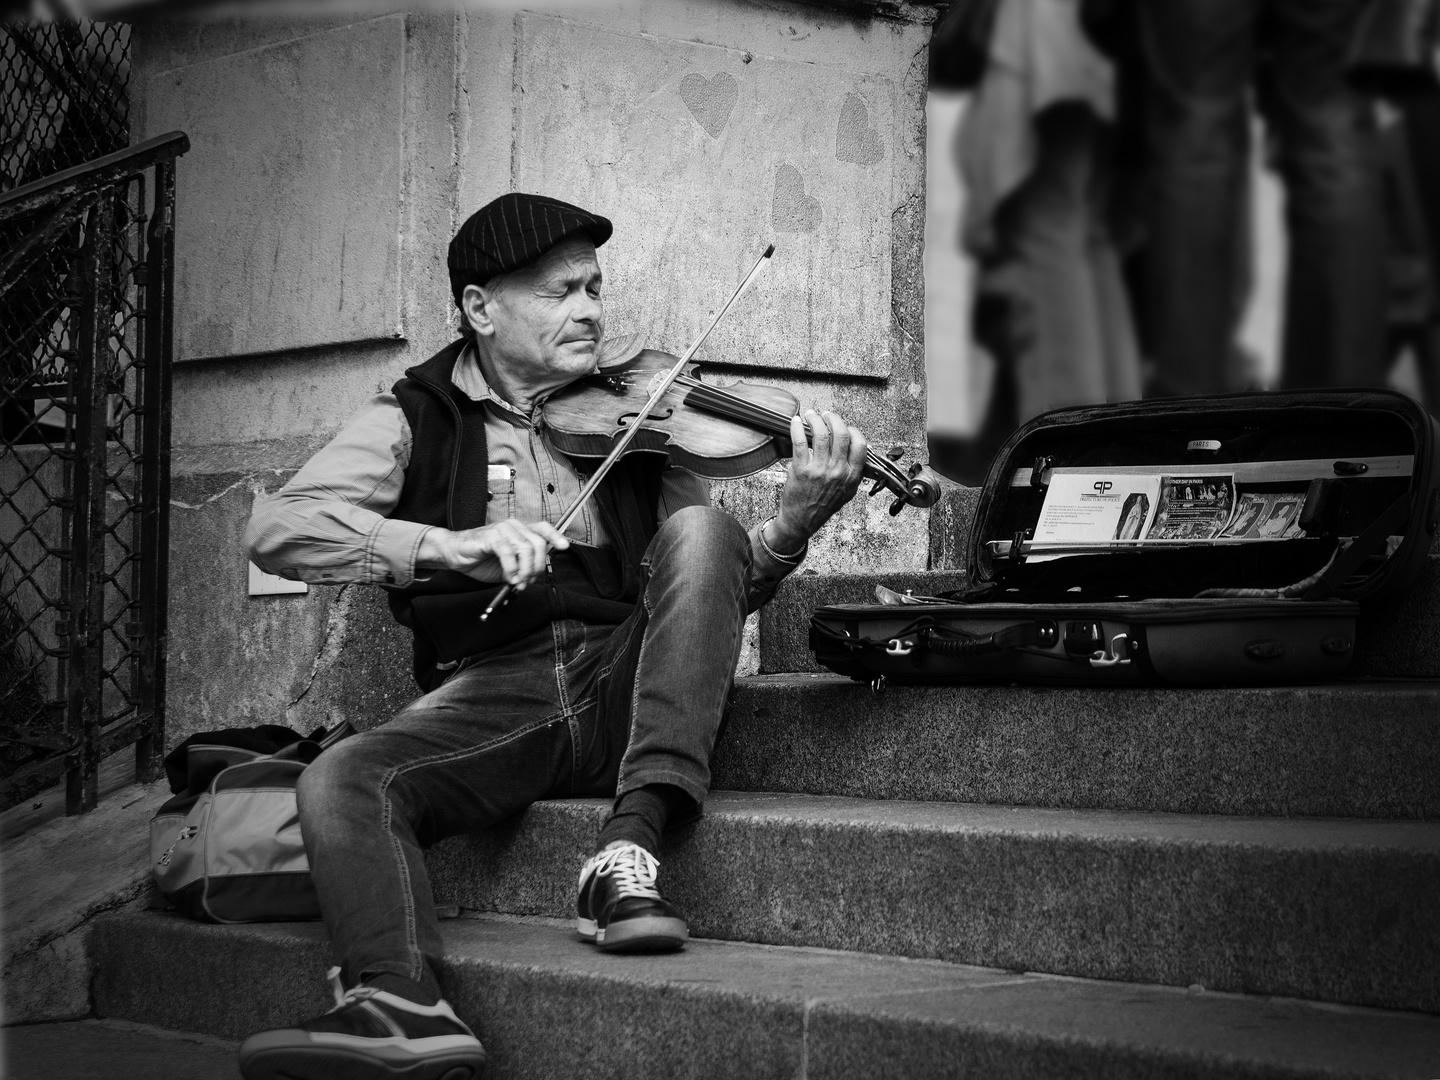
x=879, y=487
x=896, y=507
x=895, y=453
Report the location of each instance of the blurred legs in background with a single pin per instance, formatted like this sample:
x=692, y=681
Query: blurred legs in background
x=1202, y=58
x=1411, y=148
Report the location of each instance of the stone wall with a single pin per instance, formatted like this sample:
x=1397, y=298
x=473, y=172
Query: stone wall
x=332, y=158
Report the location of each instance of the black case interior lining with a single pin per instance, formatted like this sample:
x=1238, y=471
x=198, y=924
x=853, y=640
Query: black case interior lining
x=1161, y=442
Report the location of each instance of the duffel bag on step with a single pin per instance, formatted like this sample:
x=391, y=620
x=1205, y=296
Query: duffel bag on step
x=229, y=850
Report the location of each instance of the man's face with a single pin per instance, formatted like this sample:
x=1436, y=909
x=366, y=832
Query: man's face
x=548, y=319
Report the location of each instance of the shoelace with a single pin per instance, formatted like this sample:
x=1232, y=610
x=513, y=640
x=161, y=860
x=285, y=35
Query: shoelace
x=633, y=868
x=362, y=995
x=345, y=997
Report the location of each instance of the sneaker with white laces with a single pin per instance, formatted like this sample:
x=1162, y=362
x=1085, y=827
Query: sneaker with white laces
x=369, y=1035
x=619, y=908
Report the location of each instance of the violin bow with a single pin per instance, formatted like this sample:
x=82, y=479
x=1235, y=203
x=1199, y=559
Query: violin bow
x=659, y=392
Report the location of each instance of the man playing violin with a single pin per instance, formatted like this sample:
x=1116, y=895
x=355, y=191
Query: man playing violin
x=606, y=673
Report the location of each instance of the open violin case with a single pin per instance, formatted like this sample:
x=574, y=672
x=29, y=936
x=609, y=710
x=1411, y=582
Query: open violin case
x=1218, y=540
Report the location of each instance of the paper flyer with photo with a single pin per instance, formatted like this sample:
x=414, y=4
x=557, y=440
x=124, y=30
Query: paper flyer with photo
x=1193, y=507
x=1267, y=516
x=1096, y=508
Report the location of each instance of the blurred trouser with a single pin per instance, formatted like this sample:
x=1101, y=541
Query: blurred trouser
x=1072, y=341
x=1202, y=57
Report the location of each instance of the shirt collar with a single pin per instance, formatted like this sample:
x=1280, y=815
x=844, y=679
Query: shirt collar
x=470, y=379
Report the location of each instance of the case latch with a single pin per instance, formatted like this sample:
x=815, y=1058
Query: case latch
x=900, y=646
x=1113, y=659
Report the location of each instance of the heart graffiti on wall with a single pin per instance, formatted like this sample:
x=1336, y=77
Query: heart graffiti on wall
x=793, y=210
x=684, y=138
x=710, y=101
x=856, y=139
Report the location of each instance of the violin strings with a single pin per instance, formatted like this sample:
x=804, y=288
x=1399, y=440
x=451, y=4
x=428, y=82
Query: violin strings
x=719, y=396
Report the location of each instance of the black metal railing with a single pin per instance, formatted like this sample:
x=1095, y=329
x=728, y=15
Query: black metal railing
x=86, y=287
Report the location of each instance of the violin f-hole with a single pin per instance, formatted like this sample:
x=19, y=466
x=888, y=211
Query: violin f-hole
x=626, y=419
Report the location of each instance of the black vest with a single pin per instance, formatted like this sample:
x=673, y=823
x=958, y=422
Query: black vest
x=447, y=484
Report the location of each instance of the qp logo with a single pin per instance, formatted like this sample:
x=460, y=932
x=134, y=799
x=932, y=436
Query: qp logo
x=1103, y=486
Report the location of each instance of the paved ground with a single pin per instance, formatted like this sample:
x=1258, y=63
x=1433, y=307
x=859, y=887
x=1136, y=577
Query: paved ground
x=113, y=1050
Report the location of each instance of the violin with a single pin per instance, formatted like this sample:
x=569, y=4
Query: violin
x=758, y=410
x=716, y=432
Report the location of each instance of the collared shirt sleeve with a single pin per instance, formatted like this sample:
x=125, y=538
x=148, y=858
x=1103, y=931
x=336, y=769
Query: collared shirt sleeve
x=681, y=488
x=328, y=525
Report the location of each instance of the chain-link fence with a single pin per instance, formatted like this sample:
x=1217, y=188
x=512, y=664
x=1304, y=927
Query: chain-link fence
x=63, y=96
x=85, y=281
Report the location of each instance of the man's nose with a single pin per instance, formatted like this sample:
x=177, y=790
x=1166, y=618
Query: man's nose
x=589, y=309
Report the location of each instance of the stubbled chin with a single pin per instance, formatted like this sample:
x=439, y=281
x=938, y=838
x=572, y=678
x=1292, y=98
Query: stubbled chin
x=581, y=361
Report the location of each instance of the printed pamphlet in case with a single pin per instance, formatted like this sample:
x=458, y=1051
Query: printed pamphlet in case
x=1193, y=507
x=1108, y=509
x=1267, y=516
x=1097, y=508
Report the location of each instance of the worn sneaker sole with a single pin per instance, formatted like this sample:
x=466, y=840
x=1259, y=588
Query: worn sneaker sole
x=645, y=933
x=292, y=1054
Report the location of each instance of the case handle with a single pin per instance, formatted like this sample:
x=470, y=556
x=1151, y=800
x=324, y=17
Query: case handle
x=1041, y=632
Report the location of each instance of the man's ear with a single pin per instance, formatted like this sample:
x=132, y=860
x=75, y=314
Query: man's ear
x=475, y=303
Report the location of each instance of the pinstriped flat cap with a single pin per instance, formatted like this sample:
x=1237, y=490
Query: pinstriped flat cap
x=513, y=231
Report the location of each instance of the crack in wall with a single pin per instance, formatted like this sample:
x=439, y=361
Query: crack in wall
x=337, y=618
x=904, y=215
x=252, y=479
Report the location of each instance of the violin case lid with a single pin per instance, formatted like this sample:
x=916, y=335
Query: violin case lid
x=1347, y=477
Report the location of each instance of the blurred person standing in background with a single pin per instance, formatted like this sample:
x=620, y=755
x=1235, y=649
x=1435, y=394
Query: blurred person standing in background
x=1034, y=150
x=1201, y=59
x=1396, y=57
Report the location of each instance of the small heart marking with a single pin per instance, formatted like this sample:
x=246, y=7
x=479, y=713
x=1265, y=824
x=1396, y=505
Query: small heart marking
x=793, y=210
x=856, y=139
x=710, y=101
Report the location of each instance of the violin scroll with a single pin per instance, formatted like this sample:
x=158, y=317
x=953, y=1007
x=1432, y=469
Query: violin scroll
x=916, y=487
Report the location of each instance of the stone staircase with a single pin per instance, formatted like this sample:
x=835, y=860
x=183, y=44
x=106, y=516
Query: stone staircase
x=943, y=882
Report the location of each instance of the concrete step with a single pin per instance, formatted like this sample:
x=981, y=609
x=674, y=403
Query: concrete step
x=546, y=1005
x=1399, y=638
x=1322, y=909
x=115, y=1050
x=1351, y=749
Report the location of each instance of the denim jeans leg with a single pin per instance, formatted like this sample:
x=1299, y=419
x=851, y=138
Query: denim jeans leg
x=1200, y=56
x=490, y=741
x=1330, y=157
x=662, y=695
